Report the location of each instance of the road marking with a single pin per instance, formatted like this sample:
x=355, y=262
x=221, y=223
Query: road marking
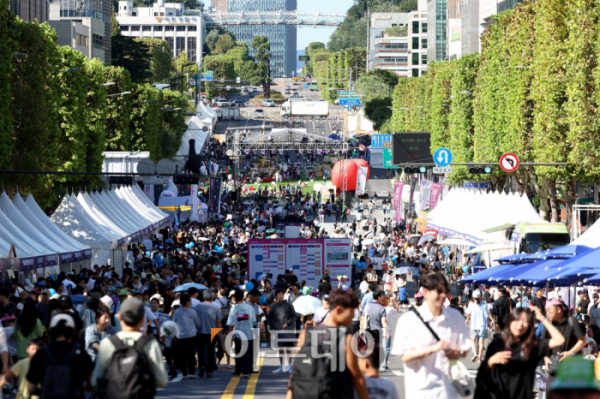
x=230, y=389
x=398, y=373
x=178, y=378
x=251, y=387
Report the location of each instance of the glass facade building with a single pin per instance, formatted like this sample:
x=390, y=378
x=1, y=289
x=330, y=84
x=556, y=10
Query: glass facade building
x=282, y=38
x=437, y=18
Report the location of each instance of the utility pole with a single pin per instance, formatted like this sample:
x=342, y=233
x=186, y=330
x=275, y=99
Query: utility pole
x=368, y=37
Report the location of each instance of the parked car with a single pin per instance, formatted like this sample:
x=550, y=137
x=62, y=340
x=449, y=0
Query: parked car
x=222, y=103
x=237, y=103
x=268, y=103
x=259, y=114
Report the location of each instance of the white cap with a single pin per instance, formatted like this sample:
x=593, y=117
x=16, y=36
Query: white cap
x=107, y=301
x=69, y=321
x=476, y=294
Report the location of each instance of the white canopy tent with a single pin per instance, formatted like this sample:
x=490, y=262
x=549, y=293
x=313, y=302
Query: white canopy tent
x=591, y=237
x=466, y=213
x=206, y=114
x=193, y=132
x=359, y=123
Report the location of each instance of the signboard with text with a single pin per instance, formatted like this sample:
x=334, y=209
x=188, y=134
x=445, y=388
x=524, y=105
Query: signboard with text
x=388, y=155
x=411, y=147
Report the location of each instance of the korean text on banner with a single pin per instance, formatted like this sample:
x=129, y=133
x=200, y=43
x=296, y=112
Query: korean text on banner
x=425, y=194
x=361, y=180
x=436, y=189
x=398, y=187
x=195, y=203
x=149, y=191
x=338, y=260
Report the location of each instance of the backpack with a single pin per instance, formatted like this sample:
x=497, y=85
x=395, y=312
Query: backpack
x=128, y=374
x=57, y=382
x=225, y=311
x=313, y=378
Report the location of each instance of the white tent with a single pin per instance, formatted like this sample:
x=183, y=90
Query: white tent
x=101, y=220
x=591, y=237
x=194, y=131
x=137, y=195
x=122, y=194
x=206, y=114
x=146, y=200
x=467, y=213
x=358, y=123
x=114, y=214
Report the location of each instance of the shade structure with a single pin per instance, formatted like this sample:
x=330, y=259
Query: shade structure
x=564, y=252
x=488, y=247
x=455, y=241
x=468, y=213
x=512, y=259
x=194, y=132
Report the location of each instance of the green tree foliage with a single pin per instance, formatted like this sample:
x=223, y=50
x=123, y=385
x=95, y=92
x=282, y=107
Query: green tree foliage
x=117, y=109
x=146, y=121
x=261, y=45
x=378, y=110
x=96, y=128
x=8, y=46
x=211, y=39
x=224, y=44
x=133, y=55
x=223, y=68
x=160, y=55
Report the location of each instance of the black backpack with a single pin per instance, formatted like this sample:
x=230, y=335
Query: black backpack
x=313, y=378
x=225, y=311
x=128, y=374
x=57, y=382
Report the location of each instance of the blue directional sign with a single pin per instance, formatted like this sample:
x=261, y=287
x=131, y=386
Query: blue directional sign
x=350, y=102
x=442, y=157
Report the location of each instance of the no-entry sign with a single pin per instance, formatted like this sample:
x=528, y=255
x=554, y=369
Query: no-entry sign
x=509, y=162
x=361, y=147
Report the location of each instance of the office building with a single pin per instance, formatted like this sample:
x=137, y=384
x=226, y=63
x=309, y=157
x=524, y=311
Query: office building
x=282, y=38
x=219, y=5
x=396, y=25
x=164, y=21
x=454, y=29
x=84, y=25
x=437, y=19
x=391, y=53
x=30, y=10
x=418, y=40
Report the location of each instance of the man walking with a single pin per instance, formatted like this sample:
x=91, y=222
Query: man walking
x=282, y=316
x=210, y=317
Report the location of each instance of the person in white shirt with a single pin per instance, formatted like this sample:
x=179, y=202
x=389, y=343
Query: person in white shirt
x=477, y=313
x=426, y=359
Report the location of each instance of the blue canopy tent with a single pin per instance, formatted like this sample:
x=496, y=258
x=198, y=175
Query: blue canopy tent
x=564, y=252
x=511, y=259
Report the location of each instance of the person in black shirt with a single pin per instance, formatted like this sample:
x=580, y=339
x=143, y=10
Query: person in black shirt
x=324, y=287
x=540, y=300
x=501, y=309
x=290, y=279
x=573, y=331
x=508, y=370
x=584, y=302
x=280, y=285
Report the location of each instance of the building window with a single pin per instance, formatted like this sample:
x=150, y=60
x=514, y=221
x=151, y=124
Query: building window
x=424, y=59
x=124, y=28
x=415, y=73
x=423, y=43
x=169, y=28
x=170, y=42
x=180, y=46
x=394, y=25
x=415, y=58
x=424, y=28
x=97, y=41
x=158, y=29
x=135, y=28
x=415, y=27
x=81, y=40
x=415, y=43
x=191, y=53
x=181, y=29
x=146, y=28
x=134, y=14
x=191, y=28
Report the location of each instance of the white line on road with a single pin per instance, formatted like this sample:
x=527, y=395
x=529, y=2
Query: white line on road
x=398, y=373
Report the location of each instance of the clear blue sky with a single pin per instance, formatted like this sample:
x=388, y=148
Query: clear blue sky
x=306, y=34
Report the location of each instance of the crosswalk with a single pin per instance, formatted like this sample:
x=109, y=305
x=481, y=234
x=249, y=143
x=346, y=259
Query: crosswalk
x=400, y=373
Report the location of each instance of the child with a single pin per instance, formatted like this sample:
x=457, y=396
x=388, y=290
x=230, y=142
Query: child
x=21, y=369
x=378, y=388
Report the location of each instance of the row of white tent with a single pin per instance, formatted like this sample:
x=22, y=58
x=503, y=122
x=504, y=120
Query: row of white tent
x=205, y=118
x=467, y=212
x=108, y=219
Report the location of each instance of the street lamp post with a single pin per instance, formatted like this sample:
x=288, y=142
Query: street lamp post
x=184, y=66
x=119, y=94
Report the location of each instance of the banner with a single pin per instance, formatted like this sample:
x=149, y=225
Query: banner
x=413, y=184
x=214, y=202
x=361, y=180
x=149, y=191
x=305, y=257
x=338, y=260
x=398, y=187
x=436, y=190
x=195, y=203
x=425, y=202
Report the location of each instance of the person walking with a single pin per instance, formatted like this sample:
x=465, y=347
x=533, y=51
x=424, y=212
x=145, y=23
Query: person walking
x=477, y=313
x=189, y=325
x=508, y=370
x=282, y=317
x=210, y=317
x=427, y=359
x=242, y=318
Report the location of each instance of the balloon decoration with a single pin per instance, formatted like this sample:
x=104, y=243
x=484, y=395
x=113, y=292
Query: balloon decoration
x=148, y=253
x=249, y=286
x=351, y=167
x=263, y=300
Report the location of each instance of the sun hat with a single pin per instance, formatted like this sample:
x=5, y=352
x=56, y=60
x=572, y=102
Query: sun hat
x=553, y=302
x=575, y=373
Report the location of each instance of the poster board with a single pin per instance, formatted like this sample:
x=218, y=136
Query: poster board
x=305, y=257
x=266, y=256
x=338, y=258
x=118, y=261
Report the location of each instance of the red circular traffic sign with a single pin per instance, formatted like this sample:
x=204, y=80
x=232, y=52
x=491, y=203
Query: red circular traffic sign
x=509, y=162
x=299, y=88
x=361, y=147
x=319, y=88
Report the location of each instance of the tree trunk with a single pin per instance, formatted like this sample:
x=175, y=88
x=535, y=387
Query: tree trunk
x=571, y=197
x=268, y=91
x=542, y=194
x=522, y=179
x=553, y=195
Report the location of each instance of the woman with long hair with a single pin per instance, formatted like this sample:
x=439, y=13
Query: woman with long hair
x=27, y=327
x=510, y=361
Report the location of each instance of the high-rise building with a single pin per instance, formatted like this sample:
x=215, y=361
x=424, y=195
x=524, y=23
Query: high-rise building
x=30, y=10
x=84, y=25
x=164, y=21
x=470, y=27
x=418, y=41
x=395, y=24
x=437, y=21
x=219, y=5
x=282, y=38
x=454, y=29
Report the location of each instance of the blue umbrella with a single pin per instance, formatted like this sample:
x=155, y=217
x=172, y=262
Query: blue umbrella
x=511, y=259
x=566, y=276
x=78, y=299
x=565, y=252
x=486, y=275
x=185, y=287
x=334, y=136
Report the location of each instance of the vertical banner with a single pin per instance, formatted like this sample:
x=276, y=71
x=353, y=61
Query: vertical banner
x=436, y=189
x=149, y=191
x=361, y=180
x=413, y=184
x=214, y=202
x=398, y=187
x=426, y=194
x=194, y=202
x=338, y=261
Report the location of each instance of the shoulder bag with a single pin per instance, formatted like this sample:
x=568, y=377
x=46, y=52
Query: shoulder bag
x=459, y=374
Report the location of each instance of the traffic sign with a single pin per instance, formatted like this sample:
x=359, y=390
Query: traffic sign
x=361, y=147
x=305, y=85
x=299, y=88
x=442, y=170
x=442, y=157
x=509, y=162
x=319, y=88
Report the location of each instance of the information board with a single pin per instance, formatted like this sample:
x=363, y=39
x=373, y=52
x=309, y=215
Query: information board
x=411, y=147
x=338, y=258
x=305, y=257
x=266, y=256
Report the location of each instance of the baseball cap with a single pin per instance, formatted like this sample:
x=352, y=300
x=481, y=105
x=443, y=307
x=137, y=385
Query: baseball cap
x=65, y=299
x=583, y=291
x=68, y=319
x=106, y=300
x=553, y=302
x=122, y=292
x=325, y=297
x=231, y=293
x=132, y=311
x=575, y=373
x=476, y=294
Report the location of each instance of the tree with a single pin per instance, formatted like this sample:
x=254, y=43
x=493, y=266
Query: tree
x=8, y=45
x=261, y=45
x=115, y=27
x=252, y=73
x=378, y=110
x=224, y=44
x=162, y=66
x=133, y=55
x=211, y=40
x=117, y=109
x=146, y=122
x=371, y=87
x=96, y=128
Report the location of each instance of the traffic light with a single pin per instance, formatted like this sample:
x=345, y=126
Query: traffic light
x=480, y=170
x=185, y=179
x=409, y=170
x=124, y=180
